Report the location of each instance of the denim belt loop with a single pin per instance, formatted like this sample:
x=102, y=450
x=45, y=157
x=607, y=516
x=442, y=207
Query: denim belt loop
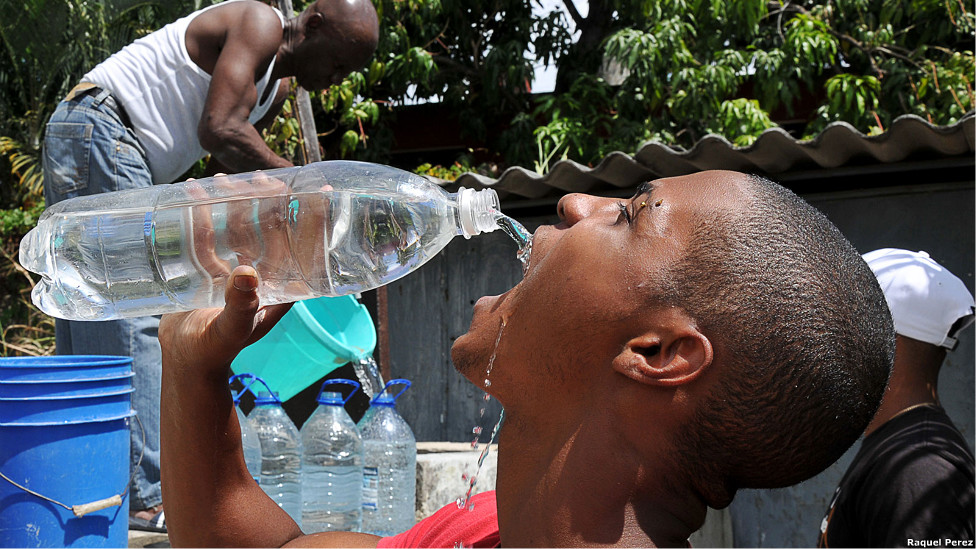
x=102, y=96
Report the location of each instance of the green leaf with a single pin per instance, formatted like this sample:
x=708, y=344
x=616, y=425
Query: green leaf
x=349, y=141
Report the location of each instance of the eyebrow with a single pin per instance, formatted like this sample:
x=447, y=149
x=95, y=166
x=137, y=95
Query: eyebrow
x=643, y=188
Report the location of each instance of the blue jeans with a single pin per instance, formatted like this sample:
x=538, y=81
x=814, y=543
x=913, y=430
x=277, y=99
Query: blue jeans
x=88, y=150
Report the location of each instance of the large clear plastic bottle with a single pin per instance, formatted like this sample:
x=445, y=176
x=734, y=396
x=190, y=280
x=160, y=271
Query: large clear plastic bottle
x=281, y=453
x=249, y=437
x=328, y=228
x=332, y=464
x=390, y=466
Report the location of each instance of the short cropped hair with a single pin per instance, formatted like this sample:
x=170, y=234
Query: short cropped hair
x=804, y=334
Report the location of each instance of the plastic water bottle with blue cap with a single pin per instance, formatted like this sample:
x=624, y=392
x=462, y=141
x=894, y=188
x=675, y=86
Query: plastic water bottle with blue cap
x=281, y=453
x=332, y=464
x=324, y=229
x=390, y=465
x=249, y=437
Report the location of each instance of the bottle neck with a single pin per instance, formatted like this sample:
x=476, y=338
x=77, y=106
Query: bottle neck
x=477, y=211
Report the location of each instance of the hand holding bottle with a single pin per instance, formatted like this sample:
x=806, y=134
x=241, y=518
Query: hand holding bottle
x=214, y=336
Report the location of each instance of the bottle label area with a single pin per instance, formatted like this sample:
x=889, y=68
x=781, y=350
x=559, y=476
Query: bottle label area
x=371, y=482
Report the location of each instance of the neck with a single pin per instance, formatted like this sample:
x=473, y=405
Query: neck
x=914, y=380
x=580, y=485
x=291, y=36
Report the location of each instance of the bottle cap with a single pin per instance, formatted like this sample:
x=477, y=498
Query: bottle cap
x=265, y=398
x=334, y=398
x=386, y=397
x=330, y=398
x=477, y=211
x=383, y=400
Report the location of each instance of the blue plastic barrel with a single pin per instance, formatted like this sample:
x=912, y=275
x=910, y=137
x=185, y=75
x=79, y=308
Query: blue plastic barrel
x=64, y=442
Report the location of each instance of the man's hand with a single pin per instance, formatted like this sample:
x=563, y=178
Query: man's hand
x=209, y=339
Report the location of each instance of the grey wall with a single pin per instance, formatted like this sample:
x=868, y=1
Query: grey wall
x=937, y=220
x=431, y=307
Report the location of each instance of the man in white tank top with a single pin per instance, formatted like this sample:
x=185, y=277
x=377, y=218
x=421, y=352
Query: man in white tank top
x=206, y=83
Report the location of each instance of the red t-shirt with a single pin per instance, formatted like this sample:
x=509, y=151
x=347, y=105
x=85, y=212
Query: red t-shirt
x=452, y=527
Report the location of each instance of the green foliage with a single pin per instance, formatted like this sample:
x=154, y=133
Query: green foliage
x=739, y=119
x=851, y=98
x=24, y=167
x=469, y=55
x=448, y=173
x=23, y=329
x=16, y=222
x=670, y=70
x=284, y=135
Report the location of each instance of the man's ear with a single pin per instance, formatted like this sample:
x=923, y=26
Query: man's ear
x=314, y=20
x=665, y=358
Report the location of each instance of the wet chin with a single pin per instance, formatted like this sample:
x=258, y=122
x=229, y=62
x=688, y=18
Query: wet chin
x=465, y=357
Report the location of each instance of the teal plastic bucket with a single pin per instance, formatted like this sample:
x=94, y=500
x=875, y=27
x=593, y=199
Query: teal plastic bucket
x=315, y=337
x=64, y=451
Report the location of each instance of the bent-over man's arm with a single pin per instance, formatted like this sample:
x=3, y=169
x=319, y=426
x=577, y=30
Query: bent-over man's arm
x=235, y=44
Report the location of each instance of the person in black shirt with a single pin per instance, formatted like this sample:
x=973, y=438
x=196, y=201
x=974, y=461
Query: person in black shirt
x=912, y=480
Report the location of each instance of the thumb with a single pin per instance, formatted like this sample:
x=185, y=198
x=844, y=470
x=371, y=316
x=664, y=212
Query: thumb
x=236, y=320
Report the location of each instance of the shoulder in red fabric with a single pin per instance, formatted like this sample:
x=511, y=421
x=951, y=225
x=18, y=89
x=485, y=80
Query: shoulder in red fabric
x=474, y=526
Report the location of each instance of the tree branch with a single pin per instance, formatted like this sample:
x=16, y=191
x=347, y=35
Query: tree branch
x=867, y=51
x=437, y=38
x=897, y=55
x=450, y=63
x=789, y=7
x=573, y=12
x=889, y=50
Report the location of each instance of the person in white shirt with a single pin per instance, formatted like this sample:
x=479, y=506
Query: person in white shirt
x=204, y=84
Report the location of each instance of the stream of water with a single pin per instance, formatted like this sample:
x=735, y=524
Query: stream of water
x=523, y=238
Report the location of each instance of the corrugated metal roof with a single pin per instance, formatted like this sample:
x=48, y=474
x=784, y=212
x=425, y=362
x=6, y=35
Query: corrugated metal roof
x=774, y=152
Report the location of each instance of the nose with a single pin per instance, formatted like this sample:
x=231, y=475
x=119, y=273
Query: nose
x=575, y=207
